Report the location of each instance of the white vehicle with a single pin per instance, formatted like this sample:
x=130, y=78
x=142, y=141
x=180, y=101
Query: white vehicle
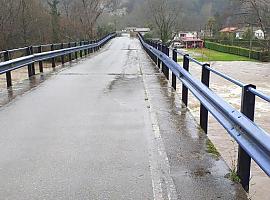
x=178, y=45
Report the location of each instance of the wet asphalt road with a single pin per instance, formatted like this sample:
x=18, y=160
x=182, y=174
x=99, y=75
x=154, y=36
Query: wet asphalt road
x=109, y=127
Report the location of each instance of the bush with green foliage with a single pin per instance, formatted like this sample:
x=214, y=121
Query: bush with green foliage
x=257, y=55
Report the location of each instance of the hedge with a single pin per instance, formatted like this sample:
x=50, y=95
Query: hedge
x=257, y=55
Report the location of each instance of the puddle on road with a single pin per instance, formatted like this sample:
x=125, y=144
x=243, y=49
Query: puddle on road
x=247, y=72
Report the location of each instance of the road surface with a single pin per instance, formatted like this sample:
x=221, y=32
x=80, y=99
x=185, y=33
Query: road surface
x=108, y=127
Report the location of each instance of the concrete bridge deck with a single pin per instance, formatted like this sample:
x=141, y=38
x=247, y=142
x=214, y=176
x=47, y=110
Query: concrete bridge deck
x=109, y=127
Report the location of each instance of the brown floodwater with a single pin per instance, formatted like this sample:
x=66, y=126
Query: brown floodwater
x=247, y=72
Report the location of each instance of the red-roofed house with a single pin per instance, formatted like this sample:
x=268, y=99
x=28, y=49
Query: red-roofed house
x=229, y=30
x=192, y=42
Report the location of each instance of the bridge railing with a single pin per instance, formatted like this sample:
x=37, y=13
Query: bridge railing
x=28, y=56
x=254, y=142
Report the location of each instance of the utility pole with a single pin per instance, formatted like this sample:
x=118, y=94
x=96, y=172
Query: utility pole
x=250, y=41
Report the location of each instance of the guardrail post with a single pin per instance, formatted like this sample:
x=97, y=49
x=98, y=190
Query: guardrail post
x=88, y=49
x=8, y=74
x=91, y=48
x=165, y=68
x=76, y=52
x=173, y=75
x=33, y=64
x=53, y=59
x=160, y=49
x=156, y=58
x=81, y=52
x=69, y=55
x=62, y=56
x=244, y=160
x=31, y=67
x=151, y=54
x=203, y=111
x=163, y=65
x=184, y=88
x=40, y=63
x=85, y=50
x=98, y=47
x=94, y=48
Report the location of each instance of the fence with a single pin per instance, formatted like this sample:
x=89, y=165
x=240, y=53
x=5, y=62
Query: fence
x=27, y=56
x=254, y=142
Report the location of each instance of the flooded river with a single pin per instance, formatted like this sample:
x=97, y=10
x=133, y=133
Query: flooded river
x=247, y=72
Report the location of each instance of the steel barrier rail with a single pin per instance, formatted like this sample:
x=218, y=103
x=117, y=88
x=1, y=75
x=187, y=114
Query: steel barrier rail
x=260, y=94
x=228, y=78
x=10, y=65
x=37, y=46
x=18, y=49
x=252, y=139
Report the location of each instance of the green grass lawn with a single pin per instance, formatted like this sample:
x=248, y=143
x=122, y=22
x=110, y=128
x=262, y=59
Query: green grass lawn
x=206, y=55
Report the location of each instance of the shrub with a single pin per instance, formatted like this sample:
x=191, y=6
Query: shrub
x=257, y=55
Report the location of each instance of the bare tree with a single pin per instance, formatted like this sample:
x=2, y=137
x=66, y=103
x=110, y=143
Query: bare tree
x=258, y=10
x=164, y=14
x=210, y=25
x=55, y=15
x=88, y=11
x=114, y=6
x=8, y=15
x=22, y=22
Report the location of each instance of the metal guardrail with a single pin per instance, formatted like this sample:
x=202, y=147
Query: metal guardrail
x=12, y=64
x=228, y=78
x=254, y=142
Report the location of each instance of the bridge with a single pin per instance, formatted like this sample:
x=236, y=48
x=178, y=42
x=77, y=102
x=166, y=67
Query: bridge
x=111, y=126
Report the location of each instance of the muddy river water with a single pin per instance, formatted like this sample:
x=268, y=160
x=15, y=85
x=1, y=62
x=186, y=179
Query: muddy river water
x=247, y=72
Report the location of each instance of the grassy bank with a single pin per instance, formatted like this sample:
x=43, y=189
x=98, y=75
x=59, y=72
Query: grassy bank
x=206, y=55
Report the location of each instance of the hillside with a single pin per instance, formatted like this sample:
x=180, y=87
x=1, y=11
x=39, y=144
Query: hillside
x=194, y=13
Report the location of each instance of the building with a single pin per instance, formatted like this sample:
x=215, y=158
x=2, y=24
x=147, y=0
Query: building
x=192, y=42
x=259, y=34
x=143, y=31
x=187, y=34
x=229, y=30
x=135, y=30
x=240, y=32
x=188, y=39
x=130, y=29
